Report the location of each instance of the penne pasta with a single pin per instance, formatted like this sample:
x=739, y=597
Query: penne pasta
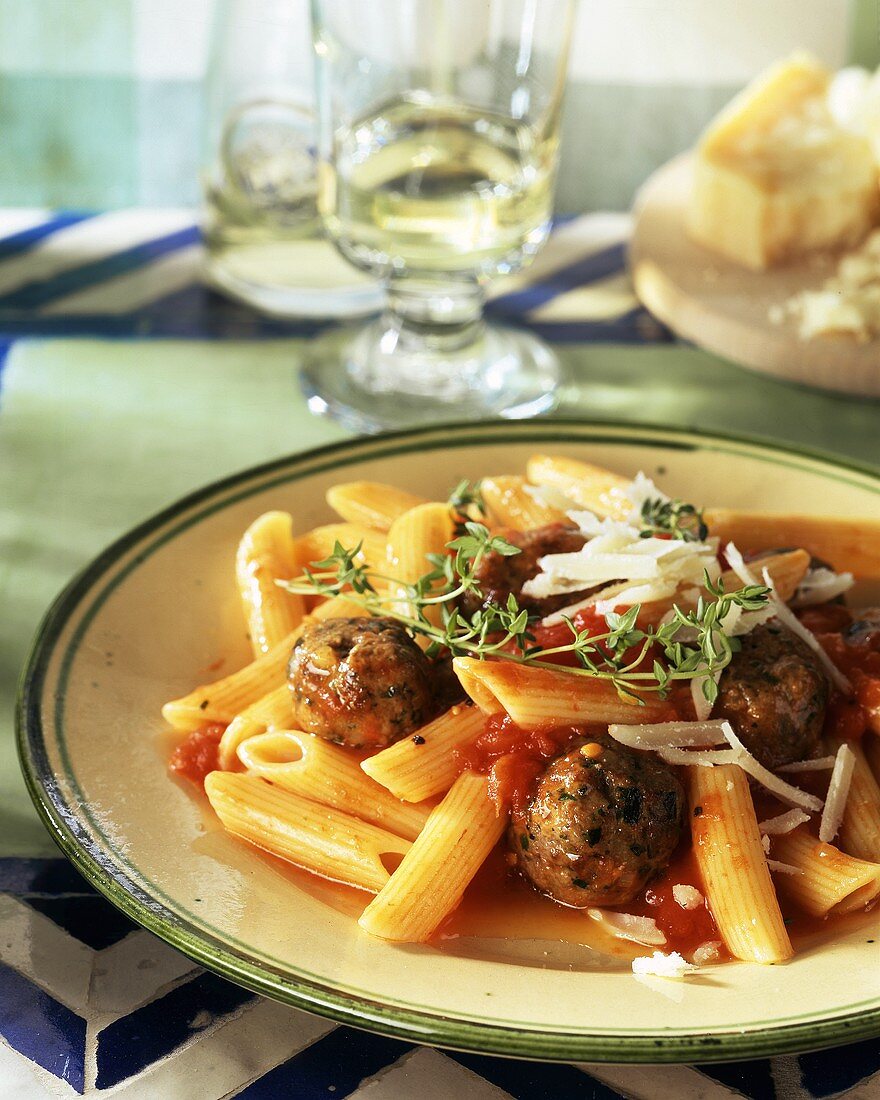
x=326, y=773
x=325, y=841
x=592, y=487
x=273, y=711
x=829, y=882
x=318, y=544
x=539, y=697
x=416, y=770
x=851, y=545
x=222, y=700
x=266, y=555
x=859, y=833
x=423, y=530
x=511, y=505
x=432, y=876
x=371, y=503
x=727, y=846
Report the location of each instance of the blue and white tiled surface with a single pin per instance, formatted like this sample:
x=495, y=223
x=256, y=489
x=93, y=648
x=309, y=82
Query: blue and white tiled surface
x=92, y=1005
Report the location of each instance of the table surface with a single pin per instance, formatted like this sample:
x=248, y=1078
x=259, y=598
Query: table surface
x=125, y=383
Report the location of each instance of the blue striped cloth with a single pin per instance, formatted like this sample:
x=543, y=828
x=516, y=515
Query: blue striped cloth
x=137, y=273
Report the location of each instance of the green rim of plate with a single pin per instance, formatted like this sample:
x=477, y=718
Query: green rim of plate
x=416, y=1025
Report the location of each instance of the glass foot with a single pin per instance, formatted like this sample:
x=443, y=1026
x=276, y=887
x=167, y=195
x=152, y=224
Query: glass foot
x=369, y=380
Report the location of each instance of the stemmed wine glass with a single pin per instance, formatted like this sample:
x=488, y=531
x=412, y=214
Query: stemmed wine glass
x=438, y=142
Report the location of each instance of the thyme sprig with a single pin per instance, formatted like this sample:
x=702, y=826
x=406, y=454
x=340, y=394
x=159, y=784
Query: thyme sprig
x=692, y=644
x=675, y=518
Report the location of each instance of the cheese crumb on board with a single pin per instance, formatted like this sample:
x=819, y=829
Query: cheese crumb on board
x=847, y=304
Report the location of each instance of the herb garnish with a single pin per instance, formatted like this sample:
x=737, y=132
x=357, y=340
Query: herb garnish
x=693, y=644
x=672, y=517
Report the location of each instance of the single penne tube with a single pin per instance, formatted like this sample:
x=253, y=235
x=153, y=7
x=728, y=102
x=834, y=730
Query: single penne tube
x=434, y=873
x=317, y=544
x=319, y=838
x=421, y=767
x=727, y=846
x=315, y=769
x=511, y=505
x=848, y=545
x=591, y=487
x=223, y=699
x=859, y=833
x=829, y=882
x=265, y=556
x=371, y=503
x=273, y=711
x=540, y=697
x=423, y=530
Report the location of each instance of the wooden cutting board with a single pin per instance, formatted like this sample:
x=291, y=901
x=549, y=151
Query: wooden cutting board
x=724, y=307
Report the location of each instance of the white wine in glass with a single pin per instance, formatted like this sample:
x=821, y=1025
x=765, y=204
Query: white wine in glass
x=438, y=125
x=439, y=186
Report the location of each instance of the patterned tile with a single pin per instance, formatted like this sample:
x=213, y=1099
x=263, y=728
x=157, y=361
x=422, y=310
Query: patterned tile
x=93, y=1012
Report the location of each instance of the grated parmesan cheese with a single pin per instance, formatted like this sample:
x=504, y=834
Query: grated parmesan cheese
x=821, y=585
x=838, y=792
x=707, y=952
x=688, y=897
x=787, y=617
x=783, y=868
x=669, y=734
x=794, y=796
x=783, y=823
x=626, y=926
x=663, y=966
x=818, y=764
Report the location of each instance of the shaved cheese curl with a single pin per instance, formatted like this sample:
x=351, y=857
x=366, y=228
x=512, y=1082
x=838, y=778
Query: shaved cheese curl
x=783, y=823
x=838, y=792
x=793, y=796
x=657, y=735
x=788, y=618
x=817, y=764
x=627, y=926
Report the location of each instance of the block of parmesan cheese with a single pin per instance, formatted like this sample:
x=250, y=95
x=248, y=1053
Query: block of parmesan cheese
x=776, y=177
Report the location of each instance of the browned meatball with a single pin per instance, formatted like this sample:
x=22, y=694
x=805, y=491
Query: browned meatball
x=362, y=682
x=774, y=693
x=498, y=576
x=602, y=822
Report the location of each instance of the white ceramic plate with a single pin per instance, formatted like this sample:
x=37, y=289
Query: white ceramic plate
x=143, y=623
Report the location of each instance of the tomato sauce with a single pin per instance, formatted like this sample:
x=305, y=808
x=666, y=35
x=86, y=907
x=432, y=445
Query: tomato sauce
x=513, y=758
x=197, y=756
x=858, y=658
x=685, y=929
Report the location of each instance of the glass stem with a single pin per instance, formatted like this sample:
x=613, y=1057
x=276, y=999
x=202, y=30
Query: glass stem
x=424, y=315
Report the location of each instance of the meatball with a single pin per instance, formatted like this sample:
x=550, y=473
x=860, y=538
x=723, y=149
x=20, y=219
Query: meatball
x=774, y=693
x=602, y=822
x=362, y=682
x=499, y=576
